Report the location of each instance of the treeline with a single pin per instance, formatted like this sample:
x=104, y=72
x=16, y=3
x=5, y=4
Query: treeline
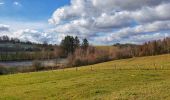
x=69, y=45
x=5, y=38
x=52, y=52
x=13, y=49
x=83, y=54
x=150, y=48
x=154, y=48
x=21, y=56
x=79, y=52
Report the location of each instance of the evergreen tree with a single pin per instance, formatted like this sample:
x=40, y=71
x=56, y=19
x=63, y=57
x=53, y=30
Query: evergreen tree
x=69, y=44
x=76, y=42
x=85, y=44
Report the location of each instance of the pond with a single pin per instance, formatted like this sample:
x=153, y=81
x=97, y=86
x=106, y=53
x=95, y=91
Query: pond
x=51, y=62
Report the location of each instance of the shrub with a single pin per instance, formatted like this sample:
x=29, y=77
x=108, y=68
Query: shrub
x=3, y=70
x=12, y=70
x=90, y=56
x=37, y=65
x=77, y=62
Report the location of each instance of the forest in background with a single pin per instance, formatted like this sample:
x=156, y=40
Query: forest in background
x=13, y=49
x=77, y=52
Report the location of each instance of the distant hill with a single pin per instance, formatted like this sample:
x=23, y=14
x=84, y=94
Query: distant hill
x=125, y=45
x=15, y=45
x=117, y=45
x=12, y=49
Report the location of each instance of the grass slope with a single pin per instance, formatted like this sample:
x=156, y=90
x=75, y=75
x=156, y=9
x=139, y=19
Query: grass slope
x=144, y=78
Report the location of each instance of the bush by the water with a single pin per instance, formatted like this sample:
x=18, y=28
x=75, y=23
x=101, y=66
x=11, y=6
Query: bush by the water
x=8, y=70
x=89, y=56
x=3, y=70
x=37, y=65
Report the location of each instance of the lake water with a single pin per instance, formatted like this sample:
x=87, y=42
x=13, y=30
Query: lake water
x=51, y=62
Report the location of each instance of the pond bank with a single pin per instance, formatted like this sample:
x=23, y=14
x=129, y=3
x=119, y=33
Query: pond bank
x=51, y=62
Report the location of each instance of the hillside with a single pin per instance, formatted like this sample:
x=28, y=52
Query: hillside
x=13, y=47
x=8, y=44
x=16, y=50
x=143, y=78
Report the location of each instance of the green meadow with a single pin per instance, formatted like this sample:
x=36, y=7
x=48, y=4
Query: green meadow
x=140, y=78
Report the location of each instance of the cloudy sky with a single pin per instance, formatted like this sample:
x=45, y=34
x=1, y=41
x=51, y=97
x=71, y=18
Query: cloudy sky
x=103, y=22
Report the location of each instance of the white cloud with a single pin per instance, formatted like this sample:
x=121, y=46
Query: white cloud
x=31, y=35
x=116, y=19
x=138, y=31
x=146, y=37
x=2, y=3
x=148, y=14
x=17, y=25
x=28, y=31
x=95, y=8
x=17, y=3
x=4, y=28
x=107, y=21
x=126, y=4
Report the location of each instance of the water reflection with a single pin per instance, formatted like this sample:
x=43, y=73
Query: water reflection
x=51, y=62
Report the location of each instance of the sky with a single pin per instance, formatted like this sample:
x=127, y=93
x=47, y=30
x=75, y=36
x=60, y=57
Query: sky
x=102, y=22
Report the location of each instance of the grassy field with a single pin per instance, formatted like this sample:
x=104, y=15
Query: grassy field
x=143, y=78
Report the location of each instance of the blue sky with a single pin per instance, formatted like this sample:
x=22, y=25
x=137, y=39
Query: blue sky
x=29, y=10
x=101, y=22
